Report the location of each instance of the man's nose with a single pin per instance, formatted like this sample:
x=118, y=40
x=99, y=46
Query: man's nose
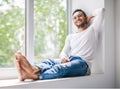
x=77, y=18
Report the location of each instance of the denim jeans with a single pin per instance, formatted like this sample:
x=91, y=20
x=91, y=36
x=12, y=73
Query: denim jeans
x=55, y=69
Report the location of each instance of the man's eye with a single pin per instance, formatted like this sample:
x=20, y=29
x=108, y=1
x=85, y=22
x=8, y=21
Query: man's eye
x=74, y=18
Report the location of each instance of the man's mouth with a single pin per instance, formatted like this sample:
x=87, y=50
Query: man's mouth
x=80, y=20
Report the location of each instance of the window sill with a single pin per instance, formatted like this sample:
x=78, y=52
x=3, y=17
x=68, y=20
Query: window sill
x=51, y=83
x=8, y=73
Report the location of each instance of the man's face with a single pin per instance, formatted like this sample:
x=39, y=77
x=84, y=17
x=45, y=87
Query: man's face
x=79, y=19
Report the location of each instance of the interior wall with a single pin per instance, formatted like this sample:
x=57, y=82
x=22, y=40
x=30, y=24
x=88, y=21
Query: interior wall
x=117, y=34
x=89, y=6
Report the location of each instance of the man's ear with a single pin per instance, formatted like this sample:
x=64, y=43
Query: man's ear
x=87, y=19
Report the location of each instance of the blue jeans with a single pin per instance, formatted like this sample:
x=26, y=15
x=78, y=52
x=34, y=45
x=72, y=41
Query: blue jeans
x=55, y=69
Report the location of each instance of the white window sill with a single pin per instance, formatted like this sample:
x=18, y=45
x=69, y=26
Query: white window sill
x=51, y=83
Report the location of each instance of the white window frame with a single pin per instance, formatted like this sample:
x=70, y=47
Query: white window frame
x=30, y=28
x=69, y=16
x=10, y=73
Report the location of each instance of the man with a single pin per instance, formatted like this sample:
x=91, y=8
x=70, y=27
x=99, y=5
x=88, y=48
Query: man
x=76, y=56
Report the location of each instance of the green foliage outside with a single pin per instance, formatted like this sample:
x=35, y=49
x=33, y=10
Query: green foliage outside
x=50, y=28
x=11, y=22
x=49, y=19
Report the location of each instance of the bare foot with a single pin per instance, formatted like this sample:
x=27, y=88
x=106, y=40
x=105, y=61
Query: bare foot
x=36, y=69
x=23, y=74
x=25, y=70
x=24, y=63
x=20, y=76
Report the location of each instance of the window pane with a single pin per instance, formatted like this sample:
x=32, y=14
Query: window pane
x=49, y=28
x=11, y=30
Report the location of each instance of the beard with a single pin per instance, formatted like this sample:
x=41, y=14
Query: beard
x=83, y=24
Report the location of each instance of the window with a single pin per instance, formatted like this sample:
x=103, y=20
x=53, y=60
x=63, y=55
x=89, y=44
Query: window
x=25, y=25
x=11, y=30
x=50, y=24
x=12, y=33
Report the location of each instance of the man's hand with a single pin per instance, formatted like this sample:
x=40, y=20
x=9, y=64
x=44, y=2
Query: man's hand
x=64, y=60
x=89, y=17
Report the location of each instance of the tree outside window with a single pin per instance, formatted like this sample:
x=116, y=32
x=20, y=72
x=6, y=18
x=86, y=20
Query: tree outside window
x=11, y=30
x=49, y=27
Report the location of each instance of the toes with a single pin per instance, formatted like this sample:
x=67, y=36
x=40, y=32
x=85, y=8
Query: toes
x=19, y=52
x=18, y=55
x=21, y=79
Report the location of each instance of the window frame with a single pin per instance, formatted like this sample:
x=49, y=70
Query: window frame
x=29, y=51
x=11, y=73
x=29, y=30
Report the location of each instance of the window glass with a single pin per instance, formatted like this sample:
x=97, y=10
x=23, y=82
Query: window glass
x=12, y=15
x=49, y=28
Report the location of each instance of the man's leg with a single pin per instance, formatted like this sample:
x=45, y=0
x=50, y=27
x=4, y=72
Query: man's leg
x=47, y=64
x=22, y=73
x=75, y=67
x=25, y=70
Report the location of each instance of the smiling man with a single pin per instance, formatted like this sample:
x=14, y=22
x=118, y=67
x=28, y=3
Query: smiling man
x=76, y=56
x=79, y=18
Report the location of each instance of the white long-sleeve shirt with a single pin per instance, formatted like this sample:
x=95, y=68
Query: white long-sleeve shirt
x=83, y=44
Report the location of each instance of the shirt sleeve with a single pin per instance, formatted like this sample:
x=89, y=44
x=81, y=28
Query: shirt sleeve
x=98, y=19
x=66, y=49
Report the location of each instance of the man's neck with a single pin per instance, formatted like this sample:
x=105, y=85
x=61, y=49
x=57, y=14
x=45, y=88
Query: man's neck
x=82, y=28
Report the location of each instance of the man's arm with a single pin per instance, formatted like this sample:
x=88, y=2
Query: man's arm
x=89, y=17
x=98, y=16
x=65, y=52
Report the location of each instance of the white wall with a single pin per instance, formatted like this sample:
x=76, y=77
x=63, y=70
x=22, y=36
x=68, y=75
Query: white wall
x=89, y=6
x=117, y=22
x=86, y=5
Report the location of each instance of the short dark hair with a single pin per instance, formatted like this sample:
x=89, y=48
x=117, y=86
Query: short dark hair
x=77, y=10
